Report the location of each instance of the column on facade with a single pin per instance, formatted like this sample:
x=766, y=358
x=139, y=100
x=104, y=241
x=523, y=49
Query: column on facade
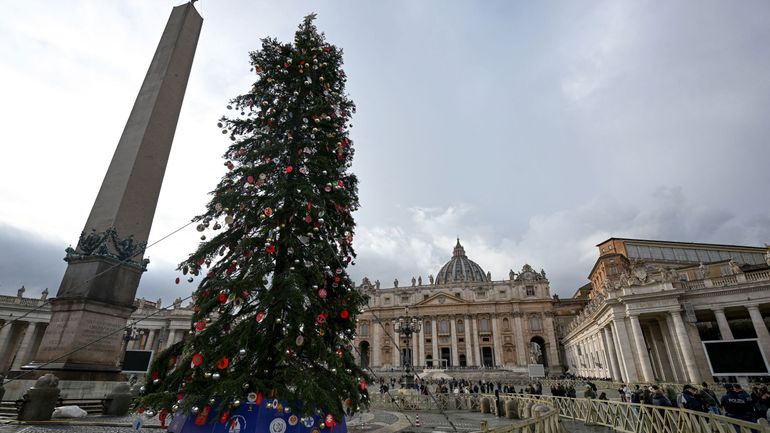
x=521, y=348
x=376, y=346
x=643, y=355
x=760, y=328
x=27, y=347
x=624, y=349
x=724, y=326
x=415, y=349
x=396, y=355
x=476, y=345
x=434, y=341
x=685, y=347
x=421, y=345
x=468, y=345
x=611, y=355
x=453, y=339
x=5, y=344
x=498, y=358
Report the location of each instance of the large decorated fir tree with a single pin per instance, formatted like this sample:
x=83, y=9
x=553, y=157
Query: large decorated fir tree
x=274, y=311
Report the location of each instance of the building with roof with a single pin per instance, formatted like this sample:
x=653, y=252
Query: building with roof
x=468, y=320
x=654, y=303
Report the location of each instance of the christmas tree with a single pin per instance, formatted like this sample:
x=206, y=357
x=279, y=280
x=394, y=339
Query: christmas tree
x=274, y=311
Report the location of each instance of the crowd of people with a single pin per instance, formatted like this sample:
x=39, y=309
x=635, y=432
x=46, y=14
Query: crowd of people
x=735, y=402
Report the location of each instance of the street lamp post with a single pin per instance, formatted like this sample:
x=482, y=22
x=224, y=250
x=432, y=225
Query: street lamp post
x=407, y=325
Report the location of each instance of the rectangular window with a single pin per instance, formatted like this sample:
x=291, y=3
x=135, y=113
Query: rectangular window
x=692, y=256
x=530, y=290
x=485, y=340
x=461, y=340
x=534, y=324
x=386, y=300
x=633, y=252
x=484, y=325
x=502, y=293
x=481, y=295
x=424, y=297
x=443, y=327
x=405, y=299
x=612, y=270
x=656, y=253
x=680, y=255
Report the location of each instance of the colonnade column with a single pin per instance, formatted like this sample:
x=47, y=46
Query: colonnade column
x=151, y=334
x=171, y=337
x=5, y=344
x=760, y=328
x=498, y=358
x=521, y=348
x=553, y=349
x=624, y=349
x=434, y=341
x=453, y=339
x=724, y=326
x=685, y=347
x=468, y=345
x=614, y=370
x=25, y=352
x=641, y=349
x=415, y=349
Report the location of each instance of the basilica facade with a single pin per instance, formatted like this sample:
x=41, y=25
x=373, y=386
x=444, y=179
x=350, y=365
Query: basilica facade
x=466, y=320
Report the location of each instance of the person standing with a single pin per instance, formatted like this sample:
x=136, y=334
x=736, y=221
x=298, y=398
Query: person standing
x=737, y=403
x=690, y=400
x=711, y=407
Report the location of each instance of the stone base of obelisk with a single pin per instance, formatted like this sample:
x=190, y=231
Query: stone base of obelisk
x=84, y=335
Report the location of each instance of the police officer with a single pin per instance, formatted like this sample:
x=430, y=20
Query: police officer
x=737, y=403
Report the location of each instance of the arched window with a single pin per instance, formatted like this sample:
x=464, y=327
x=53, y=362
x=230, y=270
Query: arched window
x=427, y=329
x=506, y=324
x=484, y=325
x=365, y=329
x=460, y=326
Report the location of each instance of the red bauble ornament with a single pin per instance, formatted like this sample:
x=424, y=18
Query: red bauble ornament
x=268, y=211
x=308, y=219
x=155, y=375
x=288, y=169
x=270, y=249
x=197, y=359
x=301, y=62
x=340, y=183
x=177, y=280
x=363, y=385
x=222, y=297
x=179, y=397
x=344, y=314
x=260, y=317
x=224, y=417
x=200, y=325
x=322, y=293
x=329, y=420
x=203, y=416
x=250, y=179
x=321, y=319
x=223, y=363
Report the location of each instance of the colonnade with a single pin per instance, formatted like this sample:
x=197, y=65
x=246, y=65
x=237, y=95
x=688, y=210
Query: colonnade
x=619, y=348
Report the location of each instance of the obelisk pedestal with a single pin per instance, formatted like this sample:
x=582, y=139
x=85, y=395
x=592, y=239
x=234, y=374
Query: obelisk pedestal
x=97, y=292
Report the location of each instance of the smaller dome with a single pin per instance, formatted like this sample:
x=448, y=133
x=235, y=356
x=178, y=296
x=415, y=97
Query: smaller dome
x=460, y=269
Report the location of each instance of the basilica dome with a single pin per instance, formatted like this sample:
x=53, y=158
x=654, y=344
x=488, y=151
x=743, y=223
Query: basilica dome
x=460, y=269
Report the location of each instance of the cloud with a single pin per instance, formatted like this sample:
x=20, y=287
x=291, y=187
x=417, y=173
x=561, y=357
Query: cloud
x=37, y=263
x=562, y=242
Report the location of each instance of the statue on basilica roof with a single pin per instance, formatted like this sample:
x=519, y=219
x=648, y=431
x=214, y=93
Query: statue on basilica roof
x=419, y=280
x=395, y=283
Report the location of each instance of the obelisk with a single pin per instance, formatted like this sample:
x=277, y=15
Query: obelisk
x=97, y=291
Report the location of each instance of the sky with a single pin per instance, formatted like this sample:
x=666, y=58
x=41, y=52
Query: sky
x=530, y=130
